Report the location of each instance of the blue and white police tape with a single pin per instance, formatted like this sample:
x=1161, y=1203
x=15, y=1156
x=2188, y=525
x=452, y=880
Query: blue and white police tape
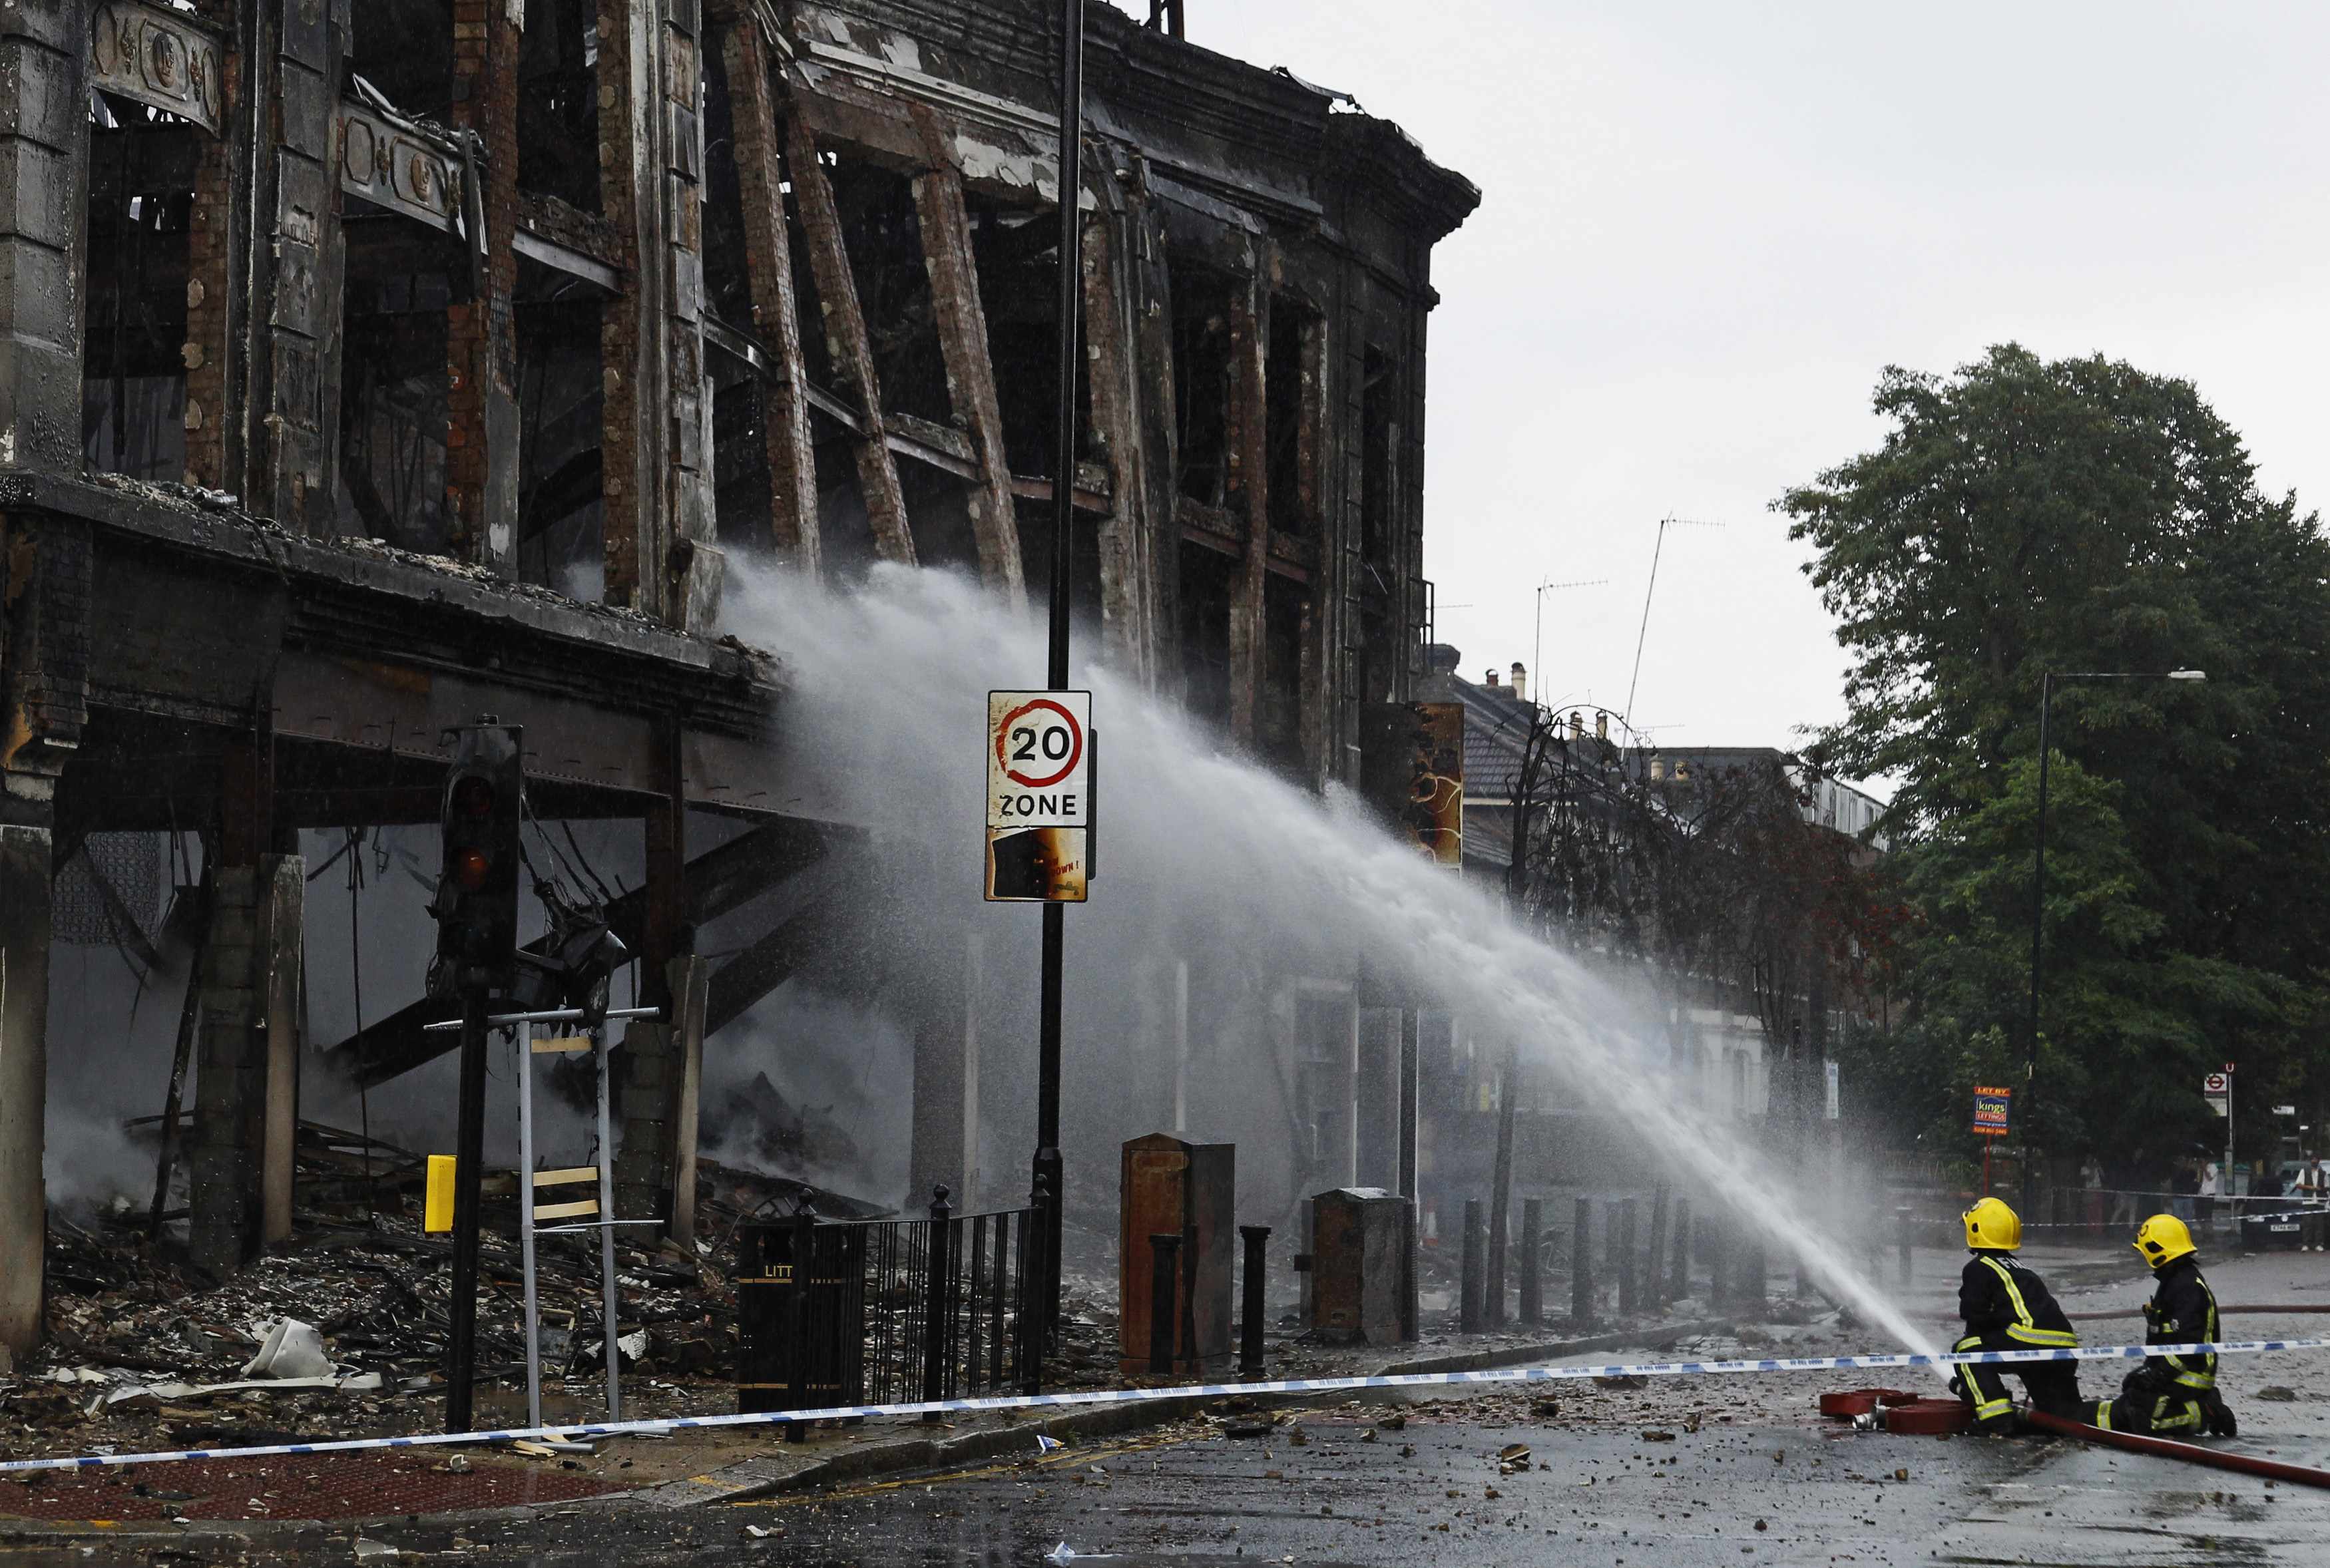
x=1198, y=1391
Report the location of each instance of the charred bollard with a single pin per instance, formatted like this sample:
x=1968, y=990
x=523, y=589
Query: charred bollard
x=1472, y=1307
x=1581, y=1265
x=1250, y=1364
x=1678, y=1281
x=1532, y=1260
x=1630, y=1262
x=1654, y=1257
x=1907, y=1240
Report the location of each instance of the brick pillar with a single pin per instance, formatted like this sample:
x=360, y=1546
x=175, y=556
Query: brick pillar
x=23, y=1078
x=264, y=285
x=662, y=555
x=44, y=612
x=44, y=201
x=226, y=1155
x=481, y=435
x=212, y=460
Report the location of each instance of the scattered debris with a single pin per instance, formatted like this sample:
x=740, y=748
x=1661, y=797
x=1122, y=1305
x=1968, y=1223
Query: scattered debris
x=2277, y=1393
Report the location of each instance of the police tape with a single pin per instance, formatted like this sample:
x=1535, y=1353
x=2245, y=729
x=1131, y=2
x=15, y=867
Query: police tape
x=1488, y=1376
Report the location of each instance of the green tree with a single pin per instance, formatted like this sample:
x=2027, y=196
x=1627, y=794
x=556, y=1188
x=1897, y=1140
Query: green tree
x=2022, y=516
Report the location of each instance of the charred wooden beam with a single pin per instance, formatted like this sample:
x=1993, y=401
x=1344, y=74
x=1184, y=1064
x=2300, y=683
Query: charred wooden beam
x=776, y=309
x=715, y=883
x=945, y=226
x=847, y=341
x=1127, y=598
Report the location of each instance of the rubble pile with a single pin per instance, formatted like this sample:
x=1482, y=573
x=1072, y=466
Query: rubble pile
x=144, y=1353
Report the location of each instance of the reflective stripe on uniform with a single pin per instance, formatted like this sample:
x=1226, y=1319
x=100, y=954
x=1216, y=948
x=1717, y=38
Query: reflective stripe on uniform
x=2103, y=1415
x=1971, y=1342
x=1991, y=1408
x=2200, y=1380
x=2025, y=1329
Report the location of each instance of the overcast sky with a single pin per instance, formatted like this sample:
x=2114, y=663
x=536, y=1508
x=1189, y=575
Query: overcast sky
x=1706, y=227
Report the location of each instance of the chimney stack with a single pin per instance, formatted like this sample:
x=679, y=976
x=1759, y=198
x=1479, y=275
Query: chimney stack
x=1520, y=682
x=1577, y=725
x=1490, y=680
x=1601, y=726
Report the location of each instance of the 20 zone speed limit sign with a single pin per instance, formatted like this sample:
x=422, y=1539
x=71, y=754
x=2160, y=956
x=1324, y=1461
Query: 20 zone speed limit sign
x=1039, y=749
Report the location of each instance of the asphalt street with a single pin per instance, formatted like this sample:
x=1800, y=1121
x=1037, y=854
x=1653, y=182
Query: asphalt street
x=1676, y=1473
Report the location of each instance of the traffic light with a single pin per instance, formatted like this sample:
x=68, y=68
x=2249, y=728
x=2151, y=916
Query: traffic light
x=476, y=888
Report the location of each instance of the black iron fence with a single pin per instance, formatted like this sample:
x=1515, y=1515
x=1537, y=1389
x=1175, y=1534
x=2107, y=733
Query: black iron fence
x=888, y=1311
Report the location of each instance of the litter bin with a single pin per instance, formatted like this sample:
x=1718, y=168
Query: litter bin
x=800, y=1342
x=1355, y=1256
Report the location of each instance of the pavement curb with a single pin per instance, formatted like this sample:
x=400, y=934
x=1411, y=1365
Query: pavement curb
x=1109, y=1420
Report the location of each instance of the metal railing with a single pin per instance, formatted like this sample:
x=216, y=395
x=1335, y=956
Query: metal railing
x=877, y=1311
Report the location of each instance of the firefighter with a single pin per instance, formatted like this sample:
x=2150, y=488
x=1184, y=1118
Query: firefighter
x=2006, y=1306
x=2173, y=1395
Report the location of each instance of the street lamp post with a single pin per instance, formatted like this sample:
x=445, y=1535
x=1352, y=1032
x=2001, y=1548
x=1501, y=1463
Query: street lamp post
x=2039, y=889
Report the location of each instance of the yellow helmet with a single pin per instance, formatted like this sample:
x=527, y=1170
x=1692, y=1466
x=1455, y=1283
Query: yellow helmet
x=1992, y=1227
x=2163, y=1238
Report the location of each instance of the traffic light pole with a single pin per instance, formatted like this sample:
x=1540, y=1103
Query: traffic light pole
x=469, y=1170
x=1048, y=1165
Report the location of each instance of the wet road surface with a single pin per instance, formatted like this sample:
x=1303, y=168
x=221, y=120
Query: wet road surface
x=1611, y=1479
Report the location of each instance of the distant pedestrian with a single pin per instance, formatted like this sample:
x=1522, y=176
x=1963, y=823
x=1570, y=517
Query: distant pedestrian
x=2208, y=1206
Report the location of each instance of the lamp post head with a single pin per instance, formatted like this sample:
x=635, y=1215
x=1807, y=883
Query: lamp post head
x=2188, y=674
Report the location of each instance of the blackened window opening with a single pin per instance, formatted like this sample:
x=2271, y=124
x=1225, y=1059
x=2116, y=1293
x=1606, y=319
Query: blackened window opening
x=558, y=102
x=404, y=48
x=1209, y=581
x=393, y=410
x=727, y=280
x=561, y=400
x=1278, y=719
x=141, y=187
x=1017, y=252
x=880, y=231
x=1201, y=380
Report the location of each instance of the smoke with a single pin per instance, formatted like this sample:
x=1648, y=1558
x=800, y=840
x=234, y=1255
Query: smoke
x=1267, y=892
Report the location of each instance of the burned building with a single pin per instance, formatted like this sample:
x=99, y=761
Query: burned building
x=374, y=364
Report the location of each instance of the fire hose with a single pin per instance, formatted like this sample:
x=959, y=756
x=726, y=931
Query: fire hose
x=2192, y=1453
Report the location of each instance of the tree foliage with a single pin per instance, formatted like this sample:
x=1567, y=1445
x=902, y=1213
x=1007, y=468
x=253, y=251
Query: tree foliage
x=2023, y=516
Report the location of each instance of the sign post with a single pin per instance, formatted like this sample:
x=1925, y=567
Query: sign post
x=2219, y=1088
x=1039, y=805
x=1992, y=1121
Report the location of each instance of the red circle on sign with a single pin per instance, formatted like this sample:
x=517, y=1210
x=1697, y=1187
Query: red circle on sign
x=1076, y=744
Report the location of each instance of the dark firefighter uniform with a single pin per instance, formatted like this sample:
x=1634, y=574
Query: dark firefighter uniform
x=2173, y=1395
x=2006, y=1306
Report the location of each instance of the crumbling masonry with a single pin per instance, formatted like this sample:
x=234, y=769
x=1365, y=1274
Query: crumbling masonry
x=368, y=366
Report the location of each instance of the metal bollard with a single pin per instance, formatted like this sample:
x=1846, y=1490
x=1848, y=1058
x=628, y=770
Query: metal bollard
x=1250, y=1329
x=1473, y=1291
x=1581, y=1266
x=1901, y=1219
x=1747, y=1287
x=1630, y=1262
x=1719, y=1266
x=1164, y=1267
x=1678, y=1282
x=1532, y=1263
x=1655, y=1257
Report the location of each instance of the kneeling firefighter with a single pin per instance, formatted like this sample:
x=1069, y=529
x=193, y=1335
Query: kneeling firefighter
x=2173, y=1395
x=2006, y=1306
